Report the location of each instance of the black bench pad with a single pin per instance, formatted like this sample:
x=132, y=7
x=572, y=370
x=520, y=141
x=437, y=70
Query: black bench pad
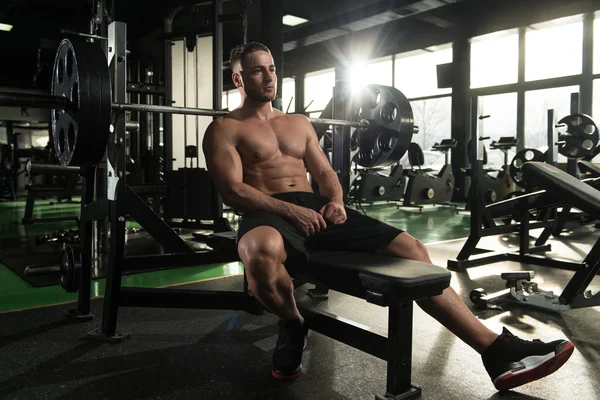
x=557, y=182
x=356, y=273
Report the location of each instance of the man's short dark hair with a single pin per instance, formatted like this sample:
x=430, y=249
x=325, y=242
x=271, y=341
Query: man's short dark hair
x=238, y=53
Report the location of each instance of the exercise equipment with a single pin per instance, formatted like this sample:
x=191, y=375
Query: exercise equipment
x=70, y=236
x=390, y=117
x=517, y=162
x=500, y=186
x=69, y=188
x=372, y=185
x=7, y=185
x=575, y=294
x=484, y=213
x=580, y=140
x=424, y=188
x=69, y=268
x=80, y=103
x=380, y=280
x=581, y=137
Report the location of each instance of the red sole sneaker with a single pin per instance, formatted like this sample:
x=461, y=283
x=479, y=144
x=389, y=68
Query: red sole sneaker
x=287, y=377
x=547, y=367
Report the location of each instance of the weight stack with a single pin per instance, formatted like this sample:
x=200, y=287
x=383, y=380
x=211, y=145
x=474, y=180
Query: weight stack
x=191, y=195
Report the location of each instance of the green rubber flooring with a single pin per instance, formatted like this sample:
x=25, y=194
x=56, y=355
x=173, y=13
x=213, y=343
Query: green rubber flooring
x=429, y=225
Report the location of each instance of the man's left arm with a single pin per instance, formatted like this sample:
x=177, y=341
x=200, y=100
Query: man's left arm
x=318, y=167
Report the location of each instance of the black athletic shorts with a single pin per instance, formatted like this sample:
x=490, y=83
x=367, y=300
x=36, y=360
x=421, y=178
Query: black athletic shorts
x=359, y=233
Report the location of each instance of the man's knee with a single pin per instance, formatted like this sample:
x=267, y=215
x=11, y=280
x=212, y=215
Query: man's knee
x=406, y=246
x=420, y=249
x=262, y=252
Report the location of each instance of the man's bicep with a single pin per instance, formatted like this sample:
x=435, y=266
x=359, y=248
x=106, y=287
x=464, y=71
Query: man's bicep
x=315, y=159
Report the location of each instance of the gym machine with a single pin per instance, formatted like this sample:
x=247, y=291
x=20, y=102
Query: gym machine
x=483, y=215
x=500, y=186
x=520, y=289
x=373, y=185
x=424, y=188
x=71, y=188
x=560, y=189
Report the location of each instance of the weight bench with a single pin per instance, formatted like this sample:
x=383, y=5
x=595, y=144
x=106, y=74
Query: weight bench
x=381, y=280
x=589, y=167
x=581, y=195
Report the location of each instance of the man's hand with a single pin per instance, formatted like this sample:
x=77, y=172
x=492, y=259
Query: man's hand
x=334, y=212
x=308, y=221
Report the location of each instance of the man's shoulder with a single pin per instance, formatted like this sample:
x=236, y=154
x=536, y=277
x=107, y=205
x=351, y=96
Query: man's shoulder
x=295, y=119
x=223, y=124
x=221, y=130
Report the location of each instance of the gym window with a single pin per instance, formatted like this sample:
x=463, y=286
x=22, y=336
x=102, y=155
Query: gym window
x=416, y=72
x=224, y=102
x=234, y=99
x=495, y=59
x=288, y=95
x=502, y=109
x=378, y=71
x=318, y=89
x=597, y=46
x=596, y=101
x=537, y=104
x=554, y=49
x=434, y=119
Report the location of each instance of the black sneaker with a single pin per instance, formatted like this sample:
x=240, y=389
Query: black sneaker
x=287, y=358
x=511, y=361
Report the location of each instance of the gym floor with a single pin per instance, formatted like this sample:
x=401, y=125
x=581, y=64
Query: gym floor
x=180, y=354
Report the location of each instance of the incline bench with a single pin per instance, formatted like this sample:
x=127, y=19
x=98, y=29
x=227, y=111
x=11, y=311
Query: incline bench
x=381, y=280
x=582, y=195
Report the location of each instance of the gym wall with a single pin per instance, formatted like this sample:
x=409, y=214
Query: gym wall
x=203, y=81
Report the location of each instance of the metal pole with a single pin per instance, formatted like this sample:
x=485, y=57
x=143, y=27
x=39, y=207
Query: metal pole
x=116, y=193
x=217, y=76
x=217, y=55
x=48, y=101
x=38, y=168
x=197, y=104
x=551, y=153
x=184, y=98
x=245, y=24
x=336, y=122
x=31, y=100
x=168, y=109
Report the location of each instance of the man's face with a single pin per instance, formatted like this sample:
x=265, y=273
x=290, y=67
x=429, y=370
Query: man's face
x=259, y=77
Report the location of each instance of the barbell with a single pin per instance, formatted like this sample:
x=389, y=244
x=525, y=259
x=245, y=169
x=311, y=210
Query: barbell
x=69, y=268
x=81, y=104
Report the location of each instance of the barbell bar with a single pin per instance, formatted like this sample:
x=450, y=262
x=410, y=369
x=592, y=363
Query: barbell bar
x=80, y=105
x=40, y=168
x=14, y=99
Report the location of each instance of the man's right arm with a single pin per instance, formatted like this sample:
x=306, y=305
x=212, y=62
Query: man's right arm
x=225, y=169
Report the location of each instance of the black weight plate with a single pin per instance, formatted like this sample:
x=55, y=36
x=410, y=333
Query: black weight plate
x=88, y=80
x=102, y=103
x=581, y=137
x=62, y=86
x=70, y=269
x=88, y=87
x=390, y=129
x=68, y=124
x=521, y=158
x=94, y=139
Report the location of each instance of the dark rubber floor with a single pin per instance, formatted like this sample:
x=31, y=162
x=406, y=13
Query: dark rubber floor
x=204, y=354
